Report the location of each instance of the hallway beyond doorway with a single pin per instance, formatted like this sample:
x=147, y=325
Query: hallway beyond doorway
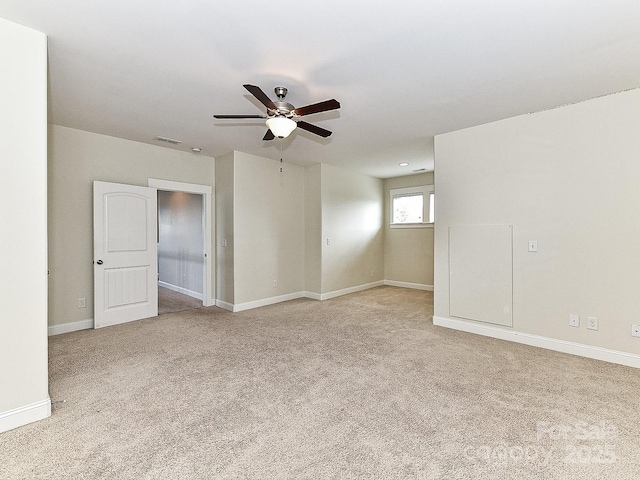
x=170, y=301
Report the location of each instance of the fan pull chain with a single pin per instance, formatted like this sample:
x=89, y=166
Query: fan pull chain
x=281, y=155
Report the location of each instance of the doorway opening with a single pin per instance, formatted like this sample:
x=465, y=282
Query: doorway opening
x=184, y=244
x=180, y=251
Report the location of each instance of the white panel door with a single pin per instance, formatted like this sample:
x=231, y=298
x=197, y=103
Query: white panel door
x=125, y=262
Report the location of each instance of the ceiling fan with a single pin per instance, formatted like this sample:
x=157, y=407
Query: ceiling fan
x=282, y=116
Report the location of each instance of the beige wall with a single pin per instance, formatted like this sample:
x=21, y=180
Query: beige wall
x=352, y=205
x=259, y=211
x=568, y=178
x=313, y=229
x=24, y=395
x=408, y=252
x=268, y=228
x=76, y=159
x=280, y=223
x=224, y=238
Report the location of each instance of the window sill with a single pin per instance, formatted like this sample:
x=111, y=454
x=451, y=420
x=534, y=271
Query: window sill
x=411, y=225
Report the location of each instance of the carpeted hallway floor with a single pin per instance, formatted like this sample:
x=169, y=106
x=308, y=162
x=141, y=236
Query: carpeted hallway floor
x=360, y=386
x=172, y=302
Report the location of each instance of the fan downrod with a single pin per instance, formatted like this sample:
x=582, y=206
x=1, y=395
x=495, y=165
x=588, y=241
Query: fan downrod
x=280, y=92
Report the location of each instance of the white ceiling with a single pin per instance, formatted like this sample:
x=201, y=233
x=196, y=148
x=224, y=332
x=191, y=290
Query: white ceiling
x=403, y=70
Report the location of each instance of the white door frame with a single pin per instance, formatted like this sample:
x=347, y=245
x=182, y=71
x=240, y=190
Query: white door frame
x=206, y=191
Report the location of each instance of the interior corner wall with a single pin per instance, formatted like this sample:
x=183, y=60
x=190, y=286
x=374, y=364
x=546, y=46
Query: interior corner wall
x=24, y=396
x=268, y=217
x=76, y=159
x=352, y=231
x=408, y=252
x=276, y=224
x=569, y=179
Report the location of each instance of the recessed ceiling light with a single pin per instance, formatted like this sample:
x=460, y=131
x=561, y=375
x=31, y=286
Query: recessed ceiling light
x=404, y=164
x=196, y=149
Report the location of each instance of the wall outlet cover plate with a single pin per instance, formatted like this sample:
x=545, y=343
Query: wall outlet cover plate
x=574, y=320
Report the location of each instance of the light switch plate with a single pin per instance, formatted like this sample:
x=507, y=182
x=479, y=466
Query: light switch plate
x=533, y=245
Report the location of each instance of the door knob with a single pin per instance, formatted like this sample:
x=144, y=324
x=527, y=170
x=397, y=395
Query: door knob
x=99, y=262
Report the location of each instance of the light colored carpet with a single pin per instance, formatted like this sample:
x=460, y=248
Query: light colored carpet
x=171, y=302
x=361, y=386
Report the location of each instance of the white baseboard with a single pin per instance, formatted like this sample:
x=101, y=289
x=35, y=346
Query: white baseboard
x=70, y=327
x=347, y=291
x=225, y=305
x=88, y=324
x=239, y=307
x=23, y=415
x=416, y=286
x=184, y=291
x=313, y=295
x=582, y=350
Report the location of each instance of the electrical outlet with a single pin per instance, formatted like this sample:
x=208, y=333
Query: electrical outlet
x=328, y=241
x=574, y=320
x=275, y=283
x=82, y=303
x=635, y=330
x=224, y=242
x=592, y=323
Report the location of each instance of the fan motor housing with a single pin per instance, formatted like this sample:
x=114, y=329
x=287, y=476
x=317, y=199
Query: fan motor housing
x=282, y=108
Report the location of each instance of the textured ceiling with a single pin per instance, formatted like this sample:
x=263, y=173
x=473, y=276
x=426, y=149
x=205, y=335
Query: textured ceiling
x=403, y=71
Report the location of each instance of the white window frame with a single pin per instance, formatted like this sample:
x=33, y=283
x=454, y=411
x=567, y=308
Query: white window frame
x=425, y=191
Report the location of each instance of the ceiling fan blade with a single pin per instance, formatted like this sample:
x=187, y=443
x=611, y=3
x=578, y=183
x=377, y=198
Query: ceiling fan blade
x=313, y=129
x=268, y=136
x=260, y=95
x=239, y=116
x=317, y=107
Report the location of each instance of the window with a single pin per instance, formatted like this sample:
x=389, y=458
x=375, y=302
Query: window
x=412, y=207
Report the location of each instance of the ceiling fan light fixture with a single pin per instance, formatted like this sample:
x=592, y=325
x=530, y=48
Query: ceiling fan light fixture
x=281, y=127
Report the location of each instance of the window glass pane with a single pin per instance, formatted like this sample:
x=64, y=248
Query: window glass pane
x=408, y=209
x=432, y=211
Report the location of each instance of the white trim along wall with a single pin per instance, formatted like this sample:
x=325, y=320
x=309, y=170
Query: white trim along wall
x=88, y=324
x=573, y=348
